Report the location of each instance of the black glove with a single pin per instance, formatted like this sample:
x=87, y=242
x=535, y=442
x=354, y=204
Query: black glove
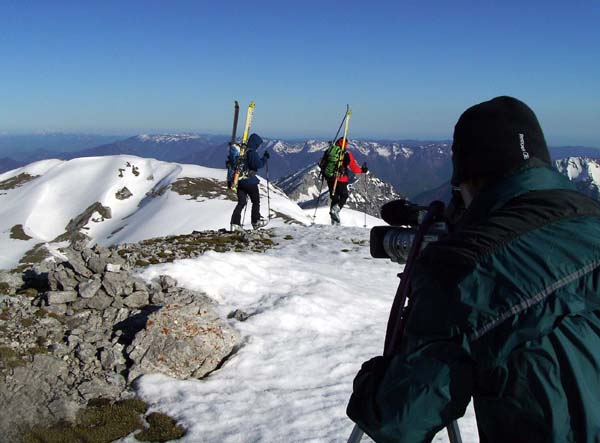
x=266, y=155
x=365, y=169
x=373, y=369
x=365, y=386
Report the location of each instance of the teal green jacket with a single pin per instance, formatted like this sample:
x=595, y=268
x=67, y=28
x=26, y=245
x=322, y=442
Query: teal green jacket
x=505, y=310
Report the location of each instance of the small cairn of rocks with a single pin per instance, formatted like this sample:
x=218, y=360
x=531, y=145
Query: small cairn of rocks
x=86, y=328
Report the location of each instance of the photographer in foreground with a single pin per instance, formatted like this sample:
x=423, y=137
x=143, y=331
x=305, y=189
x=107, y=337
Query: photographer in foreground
x=505, y=309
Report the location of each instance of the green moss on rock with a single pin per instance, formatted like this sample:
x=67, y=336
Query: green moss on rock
x=104, y=420
x=9, y=358
x=162, y=429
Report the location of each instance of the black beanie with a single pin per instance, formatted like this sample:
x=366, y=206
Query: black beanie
x=495, y=138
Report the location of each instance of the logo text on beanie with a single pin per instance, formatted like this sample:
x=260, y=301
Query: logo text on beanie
x=522, y=143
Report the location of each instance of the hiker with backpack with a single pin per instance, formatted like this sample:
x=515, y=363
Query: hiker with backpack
x=332, y=169
x=247, y=185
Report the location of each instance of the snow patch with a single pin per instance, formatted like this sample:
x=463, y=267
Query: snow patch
x=318, y=306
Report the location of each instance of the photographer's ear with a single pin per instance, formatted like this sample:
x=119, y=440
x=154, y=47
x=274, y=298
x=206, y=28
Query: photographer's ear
x=455, y=209
x=470, y=188
x=466, y=192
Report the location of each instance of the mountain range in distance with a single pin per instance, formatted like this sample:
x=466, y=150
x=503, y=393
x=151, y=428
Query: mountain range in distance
x=414, y=168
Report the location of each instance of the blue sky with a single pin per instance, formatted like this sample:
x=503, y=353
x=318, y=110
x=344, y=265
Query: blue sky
x=407, y=68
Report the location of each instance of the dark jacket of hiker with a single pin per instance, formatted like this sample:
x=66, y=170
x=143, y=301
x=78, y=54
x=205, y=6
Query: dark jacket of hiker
x=254, y=161
x=512, y=319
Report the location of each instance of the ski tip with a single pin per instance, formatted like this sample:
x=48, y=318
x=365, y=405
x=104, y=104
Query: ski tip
x=237, y=105
x=252, y=104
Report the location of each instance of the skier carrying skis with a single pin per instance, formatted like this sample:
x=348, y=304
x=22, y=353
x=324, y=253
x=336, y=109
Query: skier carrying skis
x=248, y=184
x=505, y=309
x=331, y=169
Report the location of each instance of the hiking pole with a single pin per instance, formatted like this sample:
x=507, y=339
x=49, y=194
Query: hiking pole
x=268, y=195
x=334, y=139
x=398, y=312
x=366, y=190
x=318, y=198
x=244, y=216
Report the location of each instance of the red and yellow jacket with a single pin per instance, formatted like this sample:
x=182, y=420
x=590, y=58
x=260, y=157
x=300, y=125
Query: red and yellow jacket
x=348, y=163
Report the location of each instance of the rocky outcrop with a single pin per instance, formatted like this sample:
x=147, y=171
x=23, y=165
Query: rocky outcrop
x=367, y=192
x=16, y=181
x=89, y=327
x=123, y=194
x=182, y=341
x=83, y=219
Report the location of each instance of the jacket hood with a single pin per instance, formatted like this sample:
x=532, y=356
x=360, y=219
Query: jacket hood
x=254, y=141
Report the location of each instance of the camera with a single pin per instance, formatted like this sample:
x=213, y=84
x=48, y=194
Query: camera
x=395, y=241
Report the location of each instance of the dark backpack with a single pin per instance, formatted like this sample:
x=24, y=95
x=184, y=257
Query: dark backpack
x=231, y=163
x=329, y=161
x=235, y=162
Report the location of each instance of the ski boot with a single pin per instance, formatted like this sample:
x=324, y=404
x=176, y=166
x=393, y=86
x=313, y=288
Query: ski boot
x=334, y=213
x=236, y=228
x=260, y=223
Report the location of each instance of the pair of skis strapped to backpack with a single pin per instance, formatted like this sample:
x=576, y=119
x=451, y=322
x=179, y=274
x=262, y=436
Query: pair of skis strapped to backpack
x=342, y=152
x=324, y=160
x=237, y=152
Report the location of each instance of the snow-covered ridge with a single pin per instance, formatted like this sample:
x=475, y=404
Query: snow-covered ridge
x=131, y=199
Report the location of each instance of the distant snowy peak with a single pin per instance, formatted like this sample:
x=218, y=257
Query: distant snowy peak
x=367, y=192
x=584, y=172
x=282, y=148
x=316, y=145
x=580, y=168
x=389, y=150
x=168, y=138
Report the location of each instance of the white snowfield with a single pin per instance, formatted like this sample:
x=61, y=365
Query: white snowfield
x=318, y=302
x=318, y=306
x=64, y=189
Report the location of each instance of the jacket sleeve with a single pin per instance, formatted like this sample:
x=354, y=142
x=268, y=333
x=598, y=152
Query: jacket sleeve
x=352, y=165
x=254, y=161
x=412, y=395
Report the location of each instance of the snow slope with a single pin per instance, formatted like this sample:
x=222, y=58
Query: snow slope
x=318, y=306
x=318, y=302
x=64, y=189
